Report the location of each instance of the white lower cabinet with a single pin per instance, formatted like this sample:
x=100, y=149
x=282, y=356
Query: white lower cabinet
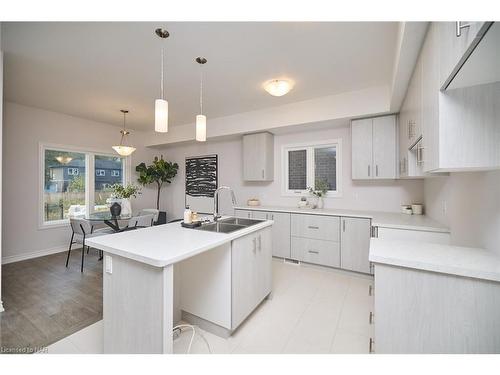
x=322, y=252
x=251, y=275
x=355, y=240
x=280, y=228
x=428, y=312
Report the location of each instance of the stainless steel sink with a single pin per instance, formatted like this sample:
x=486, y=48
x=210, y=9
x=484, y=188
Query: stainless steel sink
x=240, y=221
x=228, y=225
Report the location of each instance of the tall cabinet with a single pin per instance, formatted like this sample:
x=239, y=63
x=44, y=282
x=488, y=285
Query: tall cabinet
x=374, y=148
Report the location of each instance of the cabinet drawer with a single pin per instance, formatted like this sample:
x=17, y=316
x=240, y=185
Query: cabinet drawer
x=316, y=227
x=326, y=253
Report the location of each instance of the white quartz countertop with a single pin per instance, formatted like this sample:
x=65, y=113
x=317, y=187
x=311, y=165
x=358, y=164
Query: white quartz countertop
x=380, y=219
x=166, y=244
x=454, y=260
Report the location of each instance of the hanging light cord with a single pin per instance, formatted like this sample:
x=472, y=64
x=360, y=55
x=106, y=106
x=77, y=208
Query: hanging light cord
x=162, y=74
x=201, y=89
x=124, y=131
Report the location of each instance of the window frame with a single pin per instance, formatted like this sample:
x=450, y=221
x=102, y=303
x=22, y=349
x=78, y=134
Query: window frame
x=90, y=154
x=310, y=167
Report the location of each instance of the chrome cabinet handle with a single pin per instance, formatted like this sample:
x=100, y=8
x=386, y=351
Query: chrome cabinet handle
x=262, y=173
x=272, y=216
x=376, y=170
x=370, y=348
x=260, y=243
x=254, y=240
x=459, y=27
x=343, y=225
x=313, y=252
x=370, y=290
x=368, y=171
x=313, y=227
x=370, y=319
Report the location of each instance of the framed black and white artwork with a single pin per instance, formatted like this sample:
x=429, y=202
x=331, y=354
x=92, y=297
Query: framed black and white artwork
x=201, y=182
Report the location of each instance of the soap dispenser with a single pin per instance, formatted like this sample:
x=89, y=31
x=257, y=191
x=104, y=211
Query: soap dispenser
x=187, y=215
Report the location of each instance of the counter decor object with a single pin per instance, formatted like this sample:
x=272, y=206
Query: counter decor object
x=303, y=203
x=406, y=209
x=253, y=202
x=417, y=209
x=188, y=219
x=319, y=191
x=122, y=195
x=159, y=172
x=191, y=225
x=115, y=209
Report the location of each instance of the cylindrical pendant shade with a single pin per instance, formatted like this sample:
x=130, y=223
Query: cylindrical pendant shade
x=161, y=116
x=201, y=128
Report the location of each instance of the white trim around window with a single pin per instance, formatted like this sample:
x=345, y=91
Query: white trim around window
x=309, y=147
x=89, y=177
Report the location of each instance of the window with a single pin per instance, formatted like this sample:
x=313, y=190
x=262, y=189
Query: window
x=304, y=165
x=62, y=191
x=67, y=186
x=103, y=186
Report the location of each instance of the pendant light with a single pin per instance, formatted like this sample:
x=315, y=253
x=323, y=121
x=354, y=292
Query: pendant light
x=122, y=149
x=201, y=120
x=161, y=105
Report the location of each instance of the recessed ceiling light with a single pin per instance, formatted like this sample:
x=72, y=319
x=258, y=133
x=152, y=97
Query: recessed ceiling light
x=278, y=87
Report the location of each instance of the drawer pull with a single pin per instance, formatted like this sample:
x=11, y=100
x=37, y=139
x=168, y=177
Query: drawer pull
x=370, y=348
x=313, y=227
x=370, y=289
x=313, y=251
x=370, y=319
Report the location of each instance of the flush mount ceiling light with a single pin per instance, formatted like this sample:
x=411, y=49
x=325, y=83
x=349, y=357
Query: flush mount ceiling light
x=122, y=149
x=201, y=120
x=278, y=87
x=161, y=105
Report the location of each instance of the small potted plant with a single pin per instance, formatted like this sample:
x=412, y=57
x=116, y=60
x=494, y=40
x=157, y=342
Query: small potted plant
x=319, y=191
x=122, y=194
x=159, y=172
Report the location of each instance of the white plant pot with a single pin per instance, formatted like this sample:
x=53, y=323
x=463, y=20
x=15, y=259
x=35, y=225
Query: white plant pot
x=126, y=207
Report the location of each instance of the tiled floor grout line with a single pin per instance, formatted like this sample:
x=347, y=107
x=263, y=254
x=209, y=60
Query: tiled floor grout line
x=340, y=316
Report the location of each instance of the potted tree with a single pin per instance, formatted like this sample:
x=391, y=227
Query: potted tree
x=159, y=172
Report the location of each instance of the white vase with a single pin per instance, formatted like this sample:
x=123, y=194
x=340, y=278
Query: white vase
x=126, y=207
x=320, y=203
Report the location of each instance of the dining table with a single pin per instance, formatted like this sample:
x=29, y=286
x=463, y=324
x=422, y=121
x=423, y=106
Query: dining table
x=112, y=221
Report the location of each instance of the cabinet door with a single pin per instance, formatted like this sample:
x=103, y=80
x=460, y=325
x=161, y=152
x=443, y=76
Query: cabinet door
x=362, y=153
x=244, y=278
x=430, y=100
x=258, y=157
x=355, y=244
x=263, y=267
x=384, y=147
x=243, y=213
x=260, y=215
x=281, y=234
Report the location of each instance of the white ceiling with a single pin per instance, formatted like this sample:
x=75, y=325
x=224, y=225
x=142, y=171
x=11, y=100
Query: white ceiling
x=92, y=70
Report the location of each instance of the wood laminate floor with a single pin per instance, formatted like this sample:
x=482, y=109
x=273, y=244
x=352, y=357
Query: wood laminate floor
x=44, y=301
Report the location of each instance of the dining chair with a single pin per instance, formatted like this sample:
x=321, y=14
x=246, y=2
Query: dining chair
x=147, y=211
x=81, y=230
x=141, y=221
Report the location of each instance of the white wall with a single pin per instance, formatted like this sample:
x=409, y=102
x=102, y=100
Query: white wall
x=368, y=195
x=24, y=128
x=469, y=203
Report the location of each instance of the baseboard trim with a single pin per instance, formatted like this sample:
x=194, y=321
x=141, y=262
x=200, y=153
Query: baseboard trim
x=35, y=254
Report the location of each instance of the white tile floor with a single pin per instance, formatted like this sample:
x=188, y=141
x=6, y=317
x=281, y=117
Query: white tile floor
x=313, y=310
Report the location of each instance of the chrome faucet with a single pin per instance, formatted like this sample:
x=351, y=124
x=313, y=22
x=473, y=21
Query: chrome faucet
x=216, y=199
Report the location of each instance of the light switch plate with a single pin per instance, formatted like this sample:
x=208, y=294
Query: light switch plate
x=108, y=261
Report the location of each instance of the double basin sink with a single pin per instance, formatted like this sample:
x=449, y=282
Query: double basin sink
x=228, y=225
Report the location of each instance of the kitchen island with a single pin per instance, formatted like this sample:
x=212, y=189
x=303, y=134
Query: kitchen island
x=234, y=276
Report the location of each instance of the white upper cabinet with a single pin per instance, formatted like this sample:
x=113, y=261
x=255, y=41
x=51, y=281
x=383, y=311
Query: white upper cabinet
x=362, y=148
x=258, y=157
x=374, y=148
